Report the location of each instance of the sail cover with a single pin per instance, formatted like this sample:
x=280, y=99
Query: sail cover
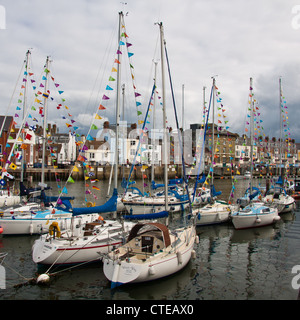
x=109, y=206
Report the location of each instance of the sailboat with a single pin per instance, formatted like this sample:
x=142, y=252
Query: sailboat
x=147, y=206
x=84, y=243
x=256, y=213
x=218, y=211
x=152, y=250
x=277, y=194
x=38, y=219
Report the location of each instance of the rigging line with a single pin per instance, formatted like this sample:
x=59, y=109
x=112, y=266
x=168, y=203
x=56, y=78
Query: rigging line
x=140, y=138
x=204, y=138
x=177, y=124
x=75, y=252
x=11, y=98
x=9, y=267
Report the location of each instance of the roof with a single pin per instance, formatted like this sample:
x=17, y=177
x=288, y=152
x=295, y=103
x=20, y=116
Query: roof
x=164, y=229
x=7, y=123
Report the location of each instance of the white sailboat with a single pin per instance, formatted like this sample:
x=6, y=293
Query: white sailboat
x=37, y=220
x=277, y=195
x=85, y=243
x=255, y=214
x=150, y=205
x=217, y=211
x=82, y=242
x=152, y=250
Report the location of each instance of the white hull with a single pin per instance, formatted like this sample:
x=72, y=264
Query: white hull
x=79, y=248
x=284, y=202
x=212, y=214
x=245, y=219
x=288, y=207
x=8, y=201
x=161, y=264
x=40, y=222
x=153, y=205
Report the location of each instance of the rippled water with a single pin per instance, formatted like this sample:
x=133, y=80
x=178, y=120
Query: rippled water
x=230, y=264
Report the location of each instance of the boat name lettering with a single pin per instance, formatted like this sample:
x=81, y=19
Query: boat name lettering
x=48, y=247
x=129, y=269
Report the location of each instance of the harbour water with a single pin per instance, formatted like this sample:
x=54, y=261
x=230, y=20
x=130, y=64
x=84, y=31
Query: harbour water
x=253, y=264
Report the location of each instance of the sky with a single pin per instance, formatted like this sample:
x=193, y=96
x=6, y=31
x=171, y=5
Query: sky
x=232, y=40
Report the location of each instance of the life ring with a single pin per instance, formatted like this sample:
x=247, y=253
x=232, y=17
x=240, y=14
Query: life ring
x=2, y=182
x=54, y=227
x=90, y=204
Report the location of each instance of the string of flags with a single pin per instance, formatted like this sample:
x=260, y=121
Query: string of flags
x=222, y=123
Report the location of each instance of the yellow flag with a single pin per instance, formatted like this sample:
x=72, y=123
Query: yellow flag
x=97, y=117
x=237, y=172
x=114, y=70
x=75, y=169
x=13, y=166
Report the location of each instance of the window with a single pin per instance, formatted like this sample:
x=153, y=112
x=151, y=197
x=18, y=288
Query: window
x=92, y=155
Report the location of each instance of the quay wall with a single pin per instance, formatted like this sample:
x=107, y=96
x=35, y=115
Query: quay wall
x=174, y=171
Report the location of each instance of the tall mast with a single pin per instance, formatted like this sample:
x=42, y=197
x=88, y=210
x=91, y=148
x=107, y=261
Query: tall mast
x=45, y=123
x=182, y=128
x=154, y=124
x=251, y=133
x=24, y=108
x=280, y=122
x=116, y=164
x=213, y=132
x=162, y=43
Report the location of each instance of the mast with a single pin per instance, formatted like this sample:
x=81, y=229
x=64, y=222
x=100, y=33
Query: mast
x=182, y=127
x=43, y=185
x=24, y=108
x=280, y=123
x=154, y=120
x=162, y=43
x=213, y=133
x=116, y=164
x=251, y=133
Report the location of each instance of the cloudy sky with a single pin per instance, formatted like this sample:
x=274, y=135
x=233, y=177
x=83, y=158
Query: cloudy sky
x=232, y=40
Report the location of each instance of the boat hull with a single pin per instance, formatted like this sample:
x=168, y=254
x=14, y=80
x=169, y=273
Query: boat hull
x=212, y=214
x=242, y=220
x=49, y=253
x=80, y=248
x=148, y=207
x=40, y=223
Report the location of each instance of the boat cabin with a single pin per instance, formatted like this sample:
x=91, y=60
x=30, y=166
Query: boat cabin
x=146, y=239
